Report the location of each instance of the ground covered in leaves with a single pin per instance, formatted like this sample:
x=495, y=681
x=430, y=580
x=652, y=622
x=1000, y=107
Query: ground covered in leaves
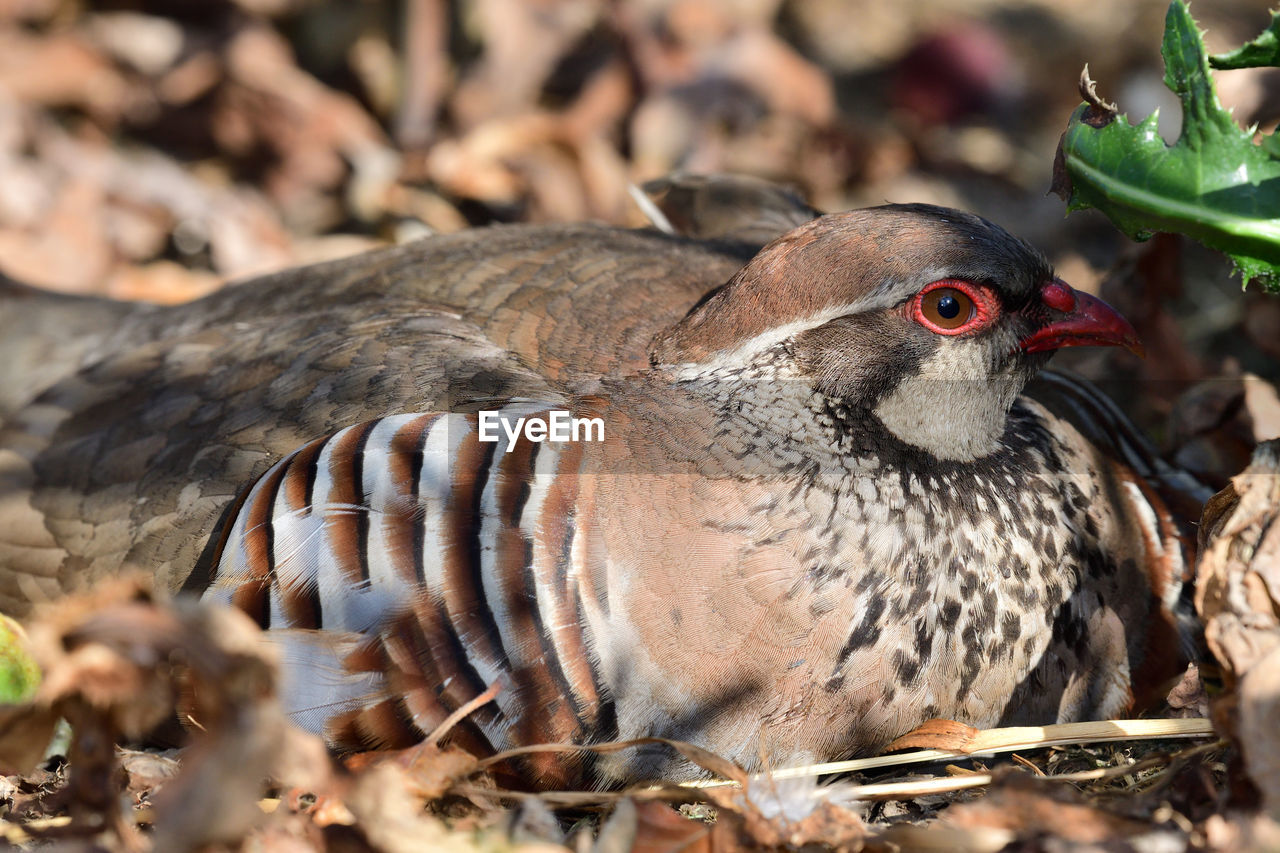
x=154, y=149
x=121, y=662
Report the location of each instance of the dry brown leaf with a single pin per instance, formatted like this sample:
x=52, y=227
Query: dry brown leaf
x=315, y=132
x=476, y=166
x=161, y=281
x=429, y=770
x=604, y=177
x=25, y=732
x=72, y=72
x=1262, y=403
x=937, y=734
x=105, y=662
x=426, y=25
x=1262, y=322
x=194, y=77
x=646, y=826
x=245, y=736
x=522, y=43
x=1242, y=832
x=89, y=215
x=114, y=662
x=1211, y=428
x=149, y=43
x=788, y=83
x=70, y=251
x=784, y=814
x=1029, y=811
x=827, y=825
x=555, y=190
x=1239, y=573
x=1188, y=697
x=390, y=819
x=28, y=10
x=107, y=651
x=1238, y=598
x=601, y=105
x=661, y=829
x=1259, y=711
x=147, y=771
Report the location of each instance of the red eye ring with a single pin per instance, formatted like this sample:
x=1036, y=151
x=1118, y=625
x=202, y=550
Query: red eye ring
x=931, y=307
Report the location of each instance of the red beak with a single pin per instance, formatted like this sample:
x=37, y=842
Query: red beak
x=1087, y=321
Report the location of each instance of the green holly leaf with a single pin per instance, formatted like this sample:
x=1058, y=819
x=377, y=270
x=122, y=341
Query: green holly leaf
x=1262, y=52
x=19, y=675
x=1214, y=184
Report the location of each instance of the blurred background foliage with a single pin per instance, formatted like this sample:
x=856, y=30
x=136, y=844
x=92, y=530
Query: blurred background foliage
x=154, y=149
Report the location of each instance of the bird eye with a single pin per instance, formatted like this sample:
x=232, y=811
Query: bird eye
x=953, y=306
x=946, y=307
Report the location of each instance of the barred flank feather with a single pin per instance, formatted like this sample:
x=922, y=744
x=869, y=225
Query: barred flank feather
x=403, y=565
x=1166, y=501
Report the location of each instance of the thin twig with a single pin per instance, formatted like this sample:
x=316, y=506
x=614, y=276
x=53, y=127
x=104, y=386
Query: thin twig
x=466, y=710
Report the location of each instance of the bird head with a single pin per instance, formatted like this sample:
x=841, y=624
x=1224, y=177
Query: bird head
x=928, y=319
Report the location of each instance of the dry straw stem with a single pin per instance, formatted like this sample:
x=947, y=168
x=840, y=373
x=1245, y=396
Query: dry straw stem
x=970, y=744
x=15, y=834
x=992, y=741
x=923, y=787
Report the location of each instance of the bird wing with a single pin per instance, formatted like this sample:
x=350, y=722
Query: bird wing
x=1102, y=422
x=572, y=301
x=126, y=429
x=131, y=459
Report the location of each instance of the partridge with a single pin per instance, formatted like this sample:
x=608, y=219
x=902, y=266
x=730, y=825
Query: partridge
x=808, y=506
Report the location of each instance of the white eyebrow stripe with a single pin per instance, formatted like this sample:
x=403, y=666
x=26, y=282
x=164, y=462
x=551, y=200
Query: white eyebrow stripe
x=766, y=340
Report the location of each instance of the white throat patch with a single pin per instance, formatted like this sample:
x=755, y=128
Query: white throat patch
x=952, y=408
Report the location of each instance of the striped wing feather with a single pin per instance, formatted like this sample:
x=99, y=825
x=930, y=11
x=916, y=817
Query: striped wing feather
x=411, y=533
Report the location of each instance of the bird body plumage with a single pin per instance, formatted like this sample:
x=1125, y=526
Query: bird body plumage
x=812, y=523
